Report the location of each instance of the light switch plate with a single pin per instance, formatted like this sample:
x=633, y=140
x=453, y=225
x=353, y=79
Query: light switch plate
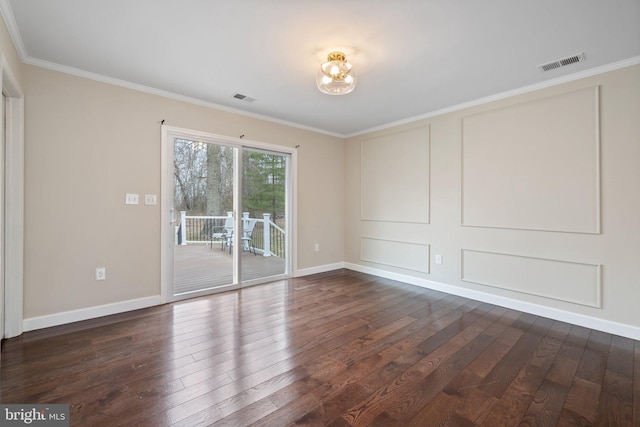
x=150, y=199
x=131, y=199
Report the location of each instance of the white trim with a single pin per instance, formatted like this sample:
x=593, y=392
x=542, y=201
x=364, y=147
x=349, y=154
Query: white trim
x=195, y=101
x=65, y=317
x=14, y=200
x=167, y=214
x=318, y=269
x=292, y=218
x=508, y=94
x=238, y=173
x=597, y=150
x=16, y=37
x=604, y=325
x=426, y=266
x=597, y=303
x=12, y=26
x=166, y=94
x=629, y=331
x=185, y=133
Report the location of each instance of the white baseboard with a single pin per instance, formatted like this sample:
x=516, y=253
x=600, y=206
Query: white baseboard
x=608, y=326
x=56, y=319
x=603, y=325
x=319, y=269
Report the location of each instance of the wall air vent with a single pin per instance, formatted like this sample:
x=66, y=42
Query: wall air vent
x=561, y=62
x=244, y=98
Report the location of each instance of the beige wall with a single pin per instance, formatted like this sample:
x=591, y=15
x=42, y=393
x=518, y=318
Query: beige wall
x=90, y=143
x=533, y=198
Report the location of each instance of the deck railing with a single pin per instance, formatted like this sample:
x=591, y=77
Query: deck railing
x=268, y=240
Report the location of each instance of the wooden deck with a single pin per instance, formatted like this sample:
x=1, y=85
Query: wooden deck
x=199, y=267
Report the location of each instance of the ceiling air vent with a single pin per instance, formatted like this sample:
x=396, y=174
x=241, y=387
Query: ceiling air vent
x=561, y=62
x=244, y=98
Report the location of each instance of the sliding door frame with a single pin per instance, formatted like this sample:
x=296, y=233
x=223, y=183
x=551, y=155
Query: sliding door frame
x=168, y=135
x=289, y=209
x=14, y=204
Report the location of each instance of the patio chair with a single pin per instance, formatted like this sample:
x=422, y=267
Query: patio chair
x=247, y=237
x=223, y=233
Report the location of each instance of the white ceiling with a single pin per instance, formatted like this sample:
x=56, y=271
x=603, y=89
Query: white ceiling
x=412, y=57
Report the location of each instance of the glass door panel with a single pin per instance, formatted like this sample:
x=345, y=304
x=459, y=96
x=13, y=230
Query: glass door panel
x=203, y=200
x=265, y=183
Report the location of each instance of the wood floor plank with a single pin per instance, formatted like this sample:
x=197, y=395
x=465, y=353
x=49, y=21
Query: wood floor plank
x=485, y=362
x=594, y=359
x=333, y=407
x=438, y=413
x=547, y=404
x=516, y=398
x=501, y=376
x=409, y=409
x=583, y=399
x=410, y=380
x=412, y=330
x=406, y=352
x=340, y=348
x=565, y=365
x=476, y=406
x=615, y=400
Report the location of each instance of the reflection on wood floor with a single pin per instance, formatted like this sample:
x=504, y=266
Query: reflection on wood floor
x=334, y=349
x=199, y=267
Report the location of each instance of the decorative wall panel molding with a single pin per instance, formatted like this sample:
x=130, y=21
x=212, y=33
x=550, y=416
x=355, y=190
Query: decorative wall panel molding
x=534, y=166
x=568, y=281
x=409, y=256
x=395, y=181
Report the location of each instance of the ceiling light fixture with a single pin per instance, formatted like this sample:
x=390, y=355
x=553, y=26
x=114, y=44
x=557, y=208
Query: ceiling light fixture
x=335, y=76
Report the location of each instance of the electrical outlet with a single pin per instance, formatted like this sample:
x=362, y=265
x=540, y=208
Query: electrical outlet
x=317, y=247
x=101, y=273
x=438, y=259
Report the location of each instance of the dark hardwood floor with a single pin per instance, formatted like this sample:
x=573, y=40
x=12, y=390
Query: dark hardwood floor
x=333, y=349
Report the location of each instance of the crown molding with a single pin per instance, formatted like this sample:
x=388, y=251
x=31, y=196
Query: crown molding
x=166, y=94
x=12, y=27
x=508, y=94
x=7, y=15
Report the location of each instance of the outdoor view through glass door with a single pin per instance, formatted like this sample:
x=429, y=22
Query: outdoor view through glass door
x=203, y=206
x=264, y=207
x=207, y=235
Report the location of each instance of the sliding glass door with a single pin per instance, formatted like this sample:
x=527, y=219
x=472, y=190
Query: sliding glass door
x=264, y=205
x=203, y=200
x=228, y=210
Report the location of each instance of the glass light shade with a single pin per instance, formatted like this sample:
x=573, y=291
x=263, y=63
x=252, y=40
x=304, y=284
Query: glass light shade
x=335, y=76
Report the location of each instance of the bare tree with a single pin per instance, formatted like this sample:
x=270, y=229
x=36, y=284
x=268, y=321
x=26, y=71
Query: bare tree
x=189, y=173
x=214, y=184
